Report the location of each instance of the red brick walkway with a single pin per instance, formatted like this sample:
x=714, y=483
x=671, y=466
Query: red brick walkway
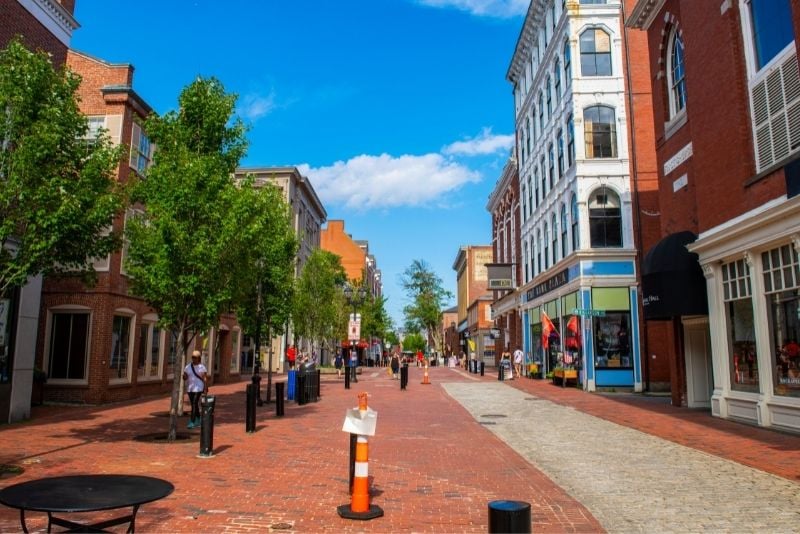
x=433, y=467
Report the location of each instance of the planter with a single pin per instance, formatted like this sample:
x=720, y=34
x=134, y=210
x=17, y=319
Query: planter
x=562, y=376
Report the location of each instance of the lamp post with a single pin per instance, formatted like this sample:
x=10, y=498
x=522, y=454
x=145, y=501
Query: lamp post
x=354, y=299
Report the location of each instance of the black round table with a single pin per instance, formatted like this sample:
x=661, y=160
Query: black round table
x=85, y=493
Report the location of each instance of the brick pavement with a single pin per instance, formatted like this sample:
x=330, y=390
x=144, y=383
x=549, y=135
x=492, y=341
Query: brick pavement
x=433, y=467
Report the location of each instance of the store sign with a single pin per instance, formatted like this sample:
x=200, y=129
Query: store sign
x=584, y=312
x=354, y=329
x=548, y=285
x=499, y=275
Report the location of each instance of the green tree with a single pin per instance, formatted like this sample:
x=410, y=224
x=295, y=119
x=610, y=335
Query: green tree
x=58, y=193
x=265, y=287
x=414, y=342
x=185, y=245
x=424, y=289
x=319, y=307
x=375, y=322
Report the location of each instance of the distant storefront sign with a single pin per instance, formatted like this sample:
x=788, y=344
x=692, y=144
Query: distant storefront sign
x=499, y=275
x=548, y=285
x=584, y=312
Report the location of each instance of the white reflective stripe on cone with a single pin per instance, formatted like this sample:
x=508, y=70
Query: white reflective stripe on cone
x=362, y=469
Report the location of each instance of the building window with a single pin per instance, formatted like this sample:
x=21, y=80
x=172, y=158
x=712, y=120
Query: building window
x=541, y=113
x=741, y=326
x=557, y=79
x=544, y=177
x=612, y=339
x=141, y=149
x=677, y=73
x=600, y=132
x=69, y=341
x=149, y=351
x=564, y=243
x=595, y=53
x=570, y=141
x=560, y=145
x=536, y=184
x=782, y=289
x=531, y=134
x=528, y=136
x=120, y=347
x=548, y=89
x=530, y=198
x=546, y=235
x=538, y=251
x=567, y=64
x=527, y=265
x=605, y=219
x=573, y=215
x=771, y=22
x=96, y=125
x=551, y=168
x=236, y=336
x=554, y=237
x=524, y=204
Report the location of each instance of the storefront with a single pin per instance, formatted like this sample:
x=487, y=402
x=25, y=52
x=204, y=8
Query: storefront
x=752, y=271
x=585, y=318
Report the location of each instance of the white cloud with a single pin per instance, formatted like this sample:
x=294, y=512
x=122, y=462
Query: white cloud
x=369, y=182
x=485, y=143
x=484, y=8
x=253, y=106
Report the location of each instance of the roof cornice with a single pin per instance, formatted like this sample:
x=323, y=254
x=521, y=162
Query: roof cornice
x=644, y=13
x=54, y=17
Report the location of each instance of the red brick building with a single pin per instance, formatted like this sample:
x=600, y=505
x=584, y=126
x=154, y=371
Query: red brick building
x=43, y=25
x=504, y=205
x=474, y=302
x=724, y=280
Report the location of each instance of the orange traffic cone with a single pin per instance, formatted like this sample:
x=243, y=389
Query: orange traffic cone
x=425, y=379
x=359, y=507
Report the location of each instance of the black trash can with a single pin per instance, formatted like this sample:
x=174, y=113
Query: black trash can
x=309, y=382
x=509, y=516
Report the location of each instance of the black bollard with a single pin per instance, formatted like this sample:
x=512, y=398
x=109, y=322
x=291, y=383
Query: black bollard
x=500, y=372
x=279, y=399
x=207, y=425
x=483, y=365
x=257, y=388
x=250, y=409
x=347, y=378
x=404, y=376
x=353, y=441
x=509, y=516
x=317, y=388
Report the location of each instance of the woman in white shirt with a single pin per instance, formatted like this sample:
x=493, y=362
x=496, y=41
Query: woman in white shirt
x=195, y=377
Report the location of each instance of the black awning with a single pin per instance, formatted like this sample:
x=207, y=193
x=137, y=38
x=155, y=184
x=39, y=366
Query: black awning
x=672, y=280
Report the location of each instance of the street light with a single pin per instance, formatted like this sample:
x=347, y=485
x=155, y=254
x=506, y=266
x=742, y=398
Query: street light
x=354, y=299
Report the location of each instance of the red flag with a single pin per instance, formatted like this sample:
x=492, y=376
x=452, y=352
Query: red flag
x=547, y=328
x=573, y=326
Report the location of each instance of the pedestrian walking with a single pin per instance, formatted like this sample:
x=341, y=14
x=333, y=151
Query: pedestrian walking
x=338, y=362
x=395, y=365
x=518, y=357
x=195, y=376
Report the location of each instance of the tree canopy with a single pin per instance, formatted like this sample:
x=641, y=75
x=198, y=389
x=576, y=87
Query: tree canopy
x=427, y=299
x=58, y=192
x=185, y=242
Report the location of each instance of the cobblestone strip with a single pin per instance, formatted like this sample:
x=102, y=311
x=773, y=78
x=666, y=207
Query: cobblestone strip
x=631, y=481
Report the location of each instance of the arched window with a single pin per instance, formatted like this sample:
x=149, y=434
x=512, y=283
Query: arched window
x=522, y=147
x=595, y=53
x=570, y=141
x=557, y=78
x=676, y=77
x=527, y=265
x=541, y=113
x=531, y=135
x=605, y=219
x=554, y=238
x=564, y=244
x=538, y=251
x=546, y=247
x=600, y=132
x=551, y=168
x=536, y=185
x=567, y=64
x=544, y=177
x=528, y=136
x=560, y=151
x=530, y=197
x=573, y=216
x=549, y=92
x=524, y=206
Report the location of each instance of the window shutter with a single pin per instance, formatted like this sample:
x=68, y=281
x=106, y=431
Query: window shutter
x=775, y=105
x=135, y=138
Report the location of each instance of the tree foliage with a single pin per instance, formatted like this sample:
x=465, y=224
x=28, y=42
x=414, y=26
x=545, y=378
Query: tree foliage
x=414, y=342
x=185, y=244
x=58, y=192
x=427, y=299
x=319, y=309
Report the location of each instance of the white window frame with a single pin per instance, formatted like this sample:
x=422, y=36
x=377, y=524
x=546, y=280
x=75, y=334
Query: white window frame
x=137, y=134
x=151, y=321
x=131, y=315
x=68, y=308
x=674, y=104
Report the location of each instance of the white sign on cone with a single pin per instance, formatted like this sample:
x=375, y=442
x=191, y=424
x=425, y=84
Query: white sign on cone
x=361, y=423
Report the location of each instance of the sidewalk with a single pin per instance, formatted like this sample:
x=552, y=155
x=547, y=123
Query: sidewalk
x=433, y=467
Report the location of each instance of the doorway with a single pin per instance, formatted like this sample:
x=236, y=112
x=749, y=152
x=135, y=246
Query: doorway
x=699, y=370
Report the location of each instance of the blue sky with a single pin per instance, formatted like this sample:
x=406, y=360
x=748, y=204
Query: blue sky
x=397, y=110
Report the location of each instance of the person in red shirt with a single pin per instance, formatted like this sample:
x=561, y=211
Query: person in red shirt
x=420, y=356
x=291, y=356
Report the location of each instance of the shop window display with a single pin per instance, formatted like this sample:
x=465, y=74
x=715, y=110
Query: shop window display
x=612, y=341
x=573, y=352
x=741, y=326
x=782, y=289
